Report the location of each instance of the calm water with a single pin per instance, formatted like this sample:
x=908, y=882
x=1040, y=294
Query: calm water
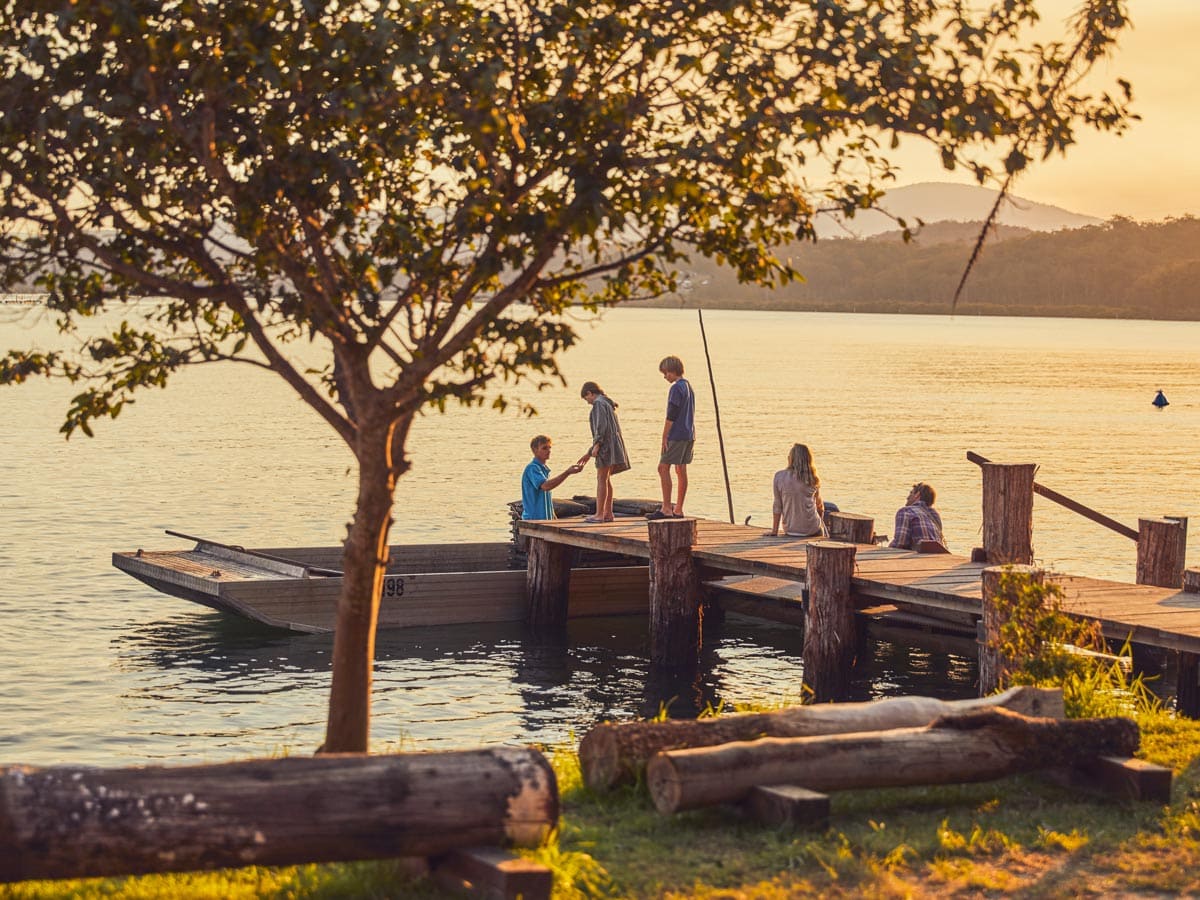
x=101, y=669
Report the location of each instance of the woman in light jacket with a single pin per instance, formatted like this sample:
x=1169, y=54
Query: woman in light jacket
x=608, y=448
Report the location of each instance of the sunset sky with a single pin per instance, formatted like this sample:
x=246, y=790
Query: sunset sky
x=1153, y=170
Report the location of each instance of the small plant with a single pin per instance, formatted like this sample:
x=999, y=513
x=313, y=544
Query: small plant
x=1038, y=643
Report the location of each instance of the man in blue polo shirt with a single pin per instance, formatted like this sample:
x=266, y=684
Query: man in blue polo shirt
x=536, y=483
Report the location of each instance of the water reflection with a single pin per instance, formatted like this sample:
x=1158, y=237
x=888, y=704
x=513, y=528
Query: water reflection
x=469, y=685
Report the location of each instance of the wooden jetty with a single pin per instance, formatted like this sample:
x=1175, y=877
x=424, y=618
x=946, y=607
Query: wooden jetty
x=770, y=576
x=773, y=569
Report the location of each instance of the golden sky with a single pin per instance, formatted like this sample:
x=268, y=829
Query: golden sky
x=1153, y=170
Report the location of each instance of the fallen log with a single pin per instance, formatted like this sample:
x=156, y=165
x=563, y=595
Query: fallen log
x=72, y=822
x=980, y=745
x=615, y=753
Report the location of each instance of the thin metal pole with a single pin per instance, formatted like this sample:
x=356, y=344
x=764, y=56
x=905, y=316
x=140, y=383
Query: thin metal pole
x=717, y=410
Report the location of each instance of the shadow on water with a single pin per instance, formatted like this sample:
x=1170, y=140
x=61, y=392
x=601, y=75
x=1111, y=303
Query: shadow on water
x=464, y=685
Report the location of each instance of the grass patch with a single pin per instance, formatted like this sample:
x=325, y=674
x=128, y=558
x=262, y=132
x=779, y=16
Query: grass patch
x=1024, y=835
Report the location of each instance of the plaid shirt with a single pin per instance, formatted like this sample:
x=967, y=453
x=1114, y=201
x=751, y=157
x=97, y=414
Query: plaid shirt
x=915, y=523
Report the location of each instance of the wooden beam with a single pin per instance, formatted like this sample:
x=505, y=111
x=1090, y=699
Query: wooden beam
x=1128, y=778
x=787, y=804
x=493, y=873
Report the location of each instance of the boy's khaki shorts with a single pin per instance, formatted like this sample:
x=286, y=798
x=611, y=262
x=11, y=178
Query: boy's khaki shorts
x=678, y=453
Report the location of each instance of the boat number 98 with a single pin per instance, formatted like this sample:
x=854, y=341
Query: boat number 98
x=393, y=587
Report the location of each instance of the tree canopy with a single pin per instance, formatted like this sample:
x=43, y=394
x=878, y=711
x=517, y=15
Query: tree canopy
x=422, y=187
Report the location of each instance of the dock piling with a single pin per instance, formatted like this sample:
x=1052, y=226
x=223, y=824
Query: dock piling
x=549, y=581
x=1161, y=552
x=1008, y=513
x=830, y=632
x=992, y=667
x=1161, y=547
x=676, y=617
x=851, y=528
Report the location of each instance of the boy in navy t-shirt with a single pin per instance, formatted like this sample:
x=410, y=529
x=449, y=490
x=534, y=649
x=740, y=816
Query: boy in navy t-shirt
x=679, y=435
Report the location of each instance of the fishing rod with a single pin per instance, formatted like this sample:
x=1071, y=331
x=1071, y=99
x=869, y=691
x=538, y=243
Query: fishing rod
x=717, y=410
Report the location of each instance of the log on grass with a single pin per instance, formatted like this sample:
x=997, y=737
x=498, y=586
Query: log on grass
x=616, y=753
x=981, y=745
x=72, y=822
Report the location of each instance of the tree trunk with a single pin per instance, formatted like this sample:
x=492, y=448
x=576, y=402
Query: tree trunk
x=675, y=612
x=364, y=564
x=72, y=822
x=975, y=746
x=1008, y=513
x=615, y=753
x=830, y=633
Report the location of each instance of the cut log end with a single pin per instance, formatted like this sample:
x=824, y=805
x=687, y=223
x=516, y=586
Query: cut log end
x=533, y=807
x=599, y=758
x=664, y=784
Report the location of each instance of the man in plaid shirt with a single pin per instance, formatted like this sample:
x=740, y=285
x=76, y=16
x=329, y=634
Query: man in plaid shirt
x=917, y=520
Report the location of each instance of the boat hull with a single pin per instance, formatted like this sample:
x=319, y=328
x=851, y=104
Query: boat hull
x=287, y=588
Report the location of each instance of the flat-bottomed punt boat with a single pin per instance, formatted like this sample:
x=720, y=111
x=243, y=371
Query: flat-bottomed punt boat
x=297, y=588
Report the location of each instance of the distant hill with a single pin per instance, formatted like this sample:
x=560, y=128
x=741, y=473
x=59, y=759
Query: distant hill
x=1119, y=269
x=932, y=233
x=936, y=201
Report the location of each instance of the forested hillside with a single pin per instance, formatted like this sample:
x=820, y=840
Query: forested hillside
x=1120, y=269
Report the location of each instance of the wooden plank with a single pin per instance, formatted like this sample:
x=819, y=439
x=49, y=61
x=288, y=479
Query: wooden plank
x=450, y=598
x=493, y=873
x=1129, y=778
x=787, y=804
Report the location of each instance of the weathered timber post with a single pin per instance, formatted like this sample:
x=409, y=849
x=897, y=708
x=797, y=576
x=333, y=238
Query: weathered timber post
x=1161, y=548
x=549, y=582
x=830, y=634
x=676, y=618
x=78, y=822
x=1008, y=513
x=992, y=667
x=851, y=528
x=1187, y=685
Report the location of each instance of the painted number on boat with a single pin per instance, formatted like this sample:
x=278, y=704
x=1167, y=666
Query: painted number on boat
x=393, y=586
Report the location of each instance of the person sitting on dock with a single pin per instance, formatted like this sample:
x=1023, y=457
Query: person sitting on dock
x=536, y=483
x=918, y=524
x=797, y=493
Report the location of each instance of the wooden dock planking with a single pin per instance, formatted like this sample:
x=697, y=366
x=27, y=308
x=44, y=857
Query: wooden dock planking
x=946, y=583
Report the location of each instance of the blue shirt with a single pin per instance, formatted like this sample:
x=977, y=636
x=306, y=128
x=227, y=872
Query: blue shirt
x=536, y=503
x=681, y=411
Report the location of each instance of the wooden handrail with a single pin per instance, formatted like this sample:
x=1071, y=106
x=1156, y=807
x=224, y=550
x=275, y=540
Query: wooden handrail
x=1073, y=505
